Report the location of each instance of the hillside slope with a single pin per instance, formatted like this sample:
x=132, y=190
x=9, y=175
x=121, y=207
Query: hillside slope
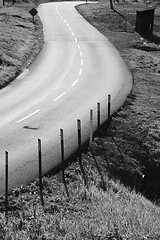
x=106, y=209
x=21, y=40
x=136, y=127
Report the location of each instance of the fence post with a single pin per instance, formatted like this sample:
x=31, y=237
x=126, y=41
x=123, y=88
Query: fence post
x=98, y=115
x=91, y=127
x=6, y=182
x=40, y=171
x=80, y=151
x=62, y=157
x=109, y=109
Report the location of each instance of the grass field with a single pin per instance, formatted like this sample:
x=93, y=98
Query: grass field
x=136, y=127
x=17, y=51
x=117, y=213
x=112, y=206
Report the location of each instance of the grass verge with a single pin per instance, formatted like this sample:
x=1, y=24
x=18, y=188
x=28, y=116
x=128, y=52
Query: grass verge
x=16, y=50
x=136, y=127
x=129, y=151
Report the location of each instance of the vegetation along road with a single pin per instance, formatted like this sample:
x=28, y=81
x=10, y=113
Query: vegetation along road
x=61, y=86
x=131, y=148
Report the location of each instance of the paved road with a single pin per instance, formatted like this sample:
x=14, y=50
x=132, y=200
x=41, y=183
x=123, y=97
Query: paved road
x=76, y=68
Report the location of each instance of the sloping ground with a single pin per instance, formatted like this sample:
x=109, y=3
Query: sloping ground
x=20, y=40
x=136, y=127
x=116, y=213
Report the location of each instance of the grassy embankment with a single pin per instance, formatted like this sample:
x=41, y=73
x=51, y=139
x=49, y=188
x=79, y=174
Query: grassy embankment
x=136, y=127
x=118, y=212
x=20, y=39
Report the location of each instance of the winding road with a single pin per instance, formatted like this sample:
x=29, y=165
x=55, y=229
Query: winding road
x=76, y=68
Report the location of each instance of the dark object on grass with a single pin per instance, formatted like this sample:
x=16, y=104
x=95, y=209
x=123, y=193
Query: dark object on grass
x=145, y=20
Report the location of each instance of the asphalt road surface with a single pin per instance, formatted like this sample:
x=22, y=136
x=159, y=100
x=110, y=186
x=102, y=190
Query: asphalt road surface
x=76, y=68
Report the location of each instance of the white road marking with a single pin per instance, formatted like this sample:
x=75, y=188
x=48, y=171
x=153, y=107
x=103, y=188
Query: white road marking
x=30, y=115
x=80, y=71
x=74, y=82
x=82, y=61
x=59, y=96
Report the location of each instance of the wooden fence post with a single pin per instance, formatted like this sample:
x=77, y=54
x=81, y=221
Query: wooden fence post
x=98, y=115
x=62, y=157
x=6, y=182
x=40, y=171
x=80, y=151
x=91, y=127
x=109, y=109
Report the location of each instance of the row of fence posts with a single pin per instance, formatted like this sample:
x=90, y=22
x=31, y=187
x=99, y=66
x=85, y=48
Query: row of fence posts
x=63, y=157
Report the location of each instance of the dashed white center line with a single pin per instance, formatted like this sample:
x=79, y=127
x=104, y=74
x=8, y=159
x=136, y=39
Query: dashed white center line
x=74, y=82
x=30, y=115
x=80, y=71
x=82, y=61
x=59, y=96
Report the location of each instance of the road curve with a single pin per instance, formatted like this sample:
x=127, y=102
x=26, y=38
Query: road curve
x=76, y=68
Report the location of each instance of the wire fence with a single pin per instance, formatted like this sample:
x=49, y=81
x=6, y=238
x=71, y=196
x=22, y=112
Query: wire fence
x=79, y=146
